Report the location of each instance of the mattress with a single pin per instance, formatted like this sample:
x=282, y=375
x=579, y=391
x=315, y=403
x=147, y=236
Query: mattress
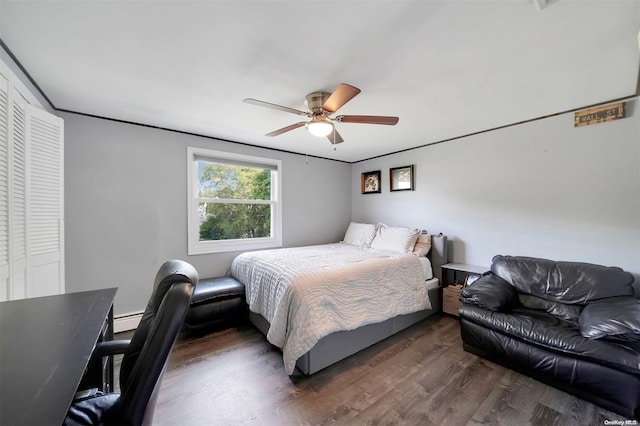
x=342, y=344
x=306, y=293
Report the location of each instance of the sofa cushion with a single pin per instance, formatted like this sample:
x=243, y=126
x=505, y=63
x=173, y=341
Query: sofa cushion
x=565, y=312
x=564, y=282
x=616, y=319
x=553, y=334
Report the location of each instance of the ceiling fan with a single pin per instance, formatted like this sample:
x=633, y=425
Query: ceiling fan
x=320, y=107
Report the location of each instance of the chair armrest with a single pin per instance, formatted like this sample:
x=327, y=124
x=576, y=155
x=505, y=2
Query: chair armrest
x=111, y=347
x=93, y=377
x=491, y=292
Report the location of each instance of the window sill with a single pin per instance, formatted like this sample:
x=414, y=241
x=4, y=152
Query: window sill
x=223, y=246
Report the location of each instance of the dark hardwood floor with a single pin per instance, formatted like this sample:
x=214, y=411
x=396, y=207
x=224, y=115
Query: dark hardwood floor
x=420, y=376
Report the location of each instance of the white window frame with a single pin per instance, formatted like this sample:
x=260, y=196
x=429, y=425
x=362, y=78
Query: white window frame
x=195, y=246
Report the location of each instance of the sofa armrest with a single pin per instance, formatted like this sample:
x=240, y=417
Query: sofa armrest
x=616, y=318
x=491, y=292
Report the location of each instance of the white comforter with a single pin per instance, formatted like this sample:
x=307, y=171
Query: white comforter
x=307, y=293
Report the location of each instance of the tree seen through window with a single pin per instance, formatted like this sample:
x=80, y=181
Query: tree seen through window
x=234, y=201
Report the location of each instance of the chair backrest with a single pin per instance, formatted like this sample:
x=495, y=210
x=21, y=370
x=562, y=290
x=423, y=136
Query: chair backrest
x=143, y=365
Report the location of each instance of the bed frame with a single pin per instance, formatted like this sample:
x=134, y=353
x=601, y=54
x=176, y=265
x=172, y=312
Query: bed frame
x=342, y=344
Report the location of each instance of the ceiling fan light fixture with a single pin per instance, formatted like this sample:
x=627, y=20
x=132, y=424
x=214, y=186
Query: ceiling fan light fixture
x=320, y=106
x=320, y=126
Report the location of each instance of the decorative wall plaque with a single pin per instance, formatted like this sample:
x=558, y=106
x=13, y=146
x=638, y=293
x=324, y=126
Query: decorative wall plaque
x=599, y=114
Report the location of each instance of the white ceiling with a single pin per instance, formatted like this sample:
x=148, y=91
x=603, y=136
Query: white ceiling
x=446, y=68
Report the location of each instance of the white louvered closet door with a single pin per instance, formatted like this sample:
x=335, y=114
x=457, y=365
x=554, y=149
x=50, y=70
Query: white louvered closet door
x=45, y=204
x=17, y=196
x=4, y=188
x=31, y=198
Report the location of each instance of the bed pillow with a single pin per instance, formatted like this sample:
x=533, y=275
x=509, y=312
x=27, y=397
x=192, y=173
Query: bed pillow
x=360, y=234
x=423, y=245
x=399, y=240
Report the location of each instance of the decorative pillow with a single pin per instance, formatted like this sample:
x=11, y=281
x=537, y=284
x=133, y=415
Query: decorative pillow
x=360, y=234
x=423, y=245
x=399, y=240
x=617, y=318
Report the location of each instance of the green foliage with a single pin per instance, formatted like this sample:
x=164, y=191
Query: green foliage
x=234, y=220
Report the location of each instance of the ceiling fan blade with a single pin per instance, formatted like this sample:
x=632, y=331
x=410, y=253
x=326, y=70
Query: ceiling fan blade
x=274, y=106
x=286, y=129
x=367, y=119
x=334, y=137
x=343, y=94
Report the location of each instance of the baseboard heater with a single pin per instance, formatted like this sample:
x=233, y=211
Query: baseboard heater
x=126, y=322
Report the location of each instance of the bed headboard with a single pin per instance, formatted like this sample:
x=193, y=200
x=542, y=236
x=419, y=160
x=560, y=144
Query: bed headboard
x=438, y=254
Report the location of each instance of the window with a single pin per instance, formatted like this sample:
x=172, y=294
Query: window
x=234, y=201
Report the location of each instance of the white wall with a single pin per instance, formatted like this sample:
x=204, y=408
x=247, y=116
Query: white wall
x=542, y=189
x=126, y=205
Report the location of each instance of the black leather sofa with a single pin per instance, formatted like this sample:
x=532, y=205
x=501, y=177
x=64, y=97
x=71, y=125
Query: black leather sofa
x=574, y=326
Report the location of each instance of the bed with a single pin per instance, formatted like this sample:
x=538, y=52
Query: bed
x=320, y=304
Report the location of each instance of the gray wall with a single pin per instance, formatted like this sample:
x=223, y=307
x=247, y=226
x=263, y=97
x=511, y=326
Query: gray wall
x=543, y=189
x=126, y=206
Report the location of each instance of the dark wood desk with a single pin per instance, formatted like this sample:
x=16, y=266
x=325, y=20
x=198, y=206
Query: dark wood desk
x=45, y=345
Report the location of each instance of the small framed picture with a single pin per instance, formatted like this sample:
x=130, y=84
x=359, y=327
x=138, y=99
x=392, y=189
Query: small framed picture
x=471, y=278
x=401, y=178
x=370, y=182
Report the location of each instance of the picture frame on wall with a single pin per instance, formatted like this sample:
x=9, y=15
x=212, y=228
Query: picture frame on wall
x=370, y=182
x=401, y=178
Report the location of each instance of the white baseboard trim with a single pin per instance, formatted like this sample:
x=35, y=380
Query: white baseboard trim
x=126, y=322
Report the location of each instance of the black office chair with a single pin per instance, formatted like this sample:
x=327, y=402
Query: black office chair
x=144, y=356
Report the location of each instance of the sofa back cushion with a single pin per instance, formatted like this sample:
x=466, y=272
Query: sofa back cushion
x=563, y=311
x=564, y=282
